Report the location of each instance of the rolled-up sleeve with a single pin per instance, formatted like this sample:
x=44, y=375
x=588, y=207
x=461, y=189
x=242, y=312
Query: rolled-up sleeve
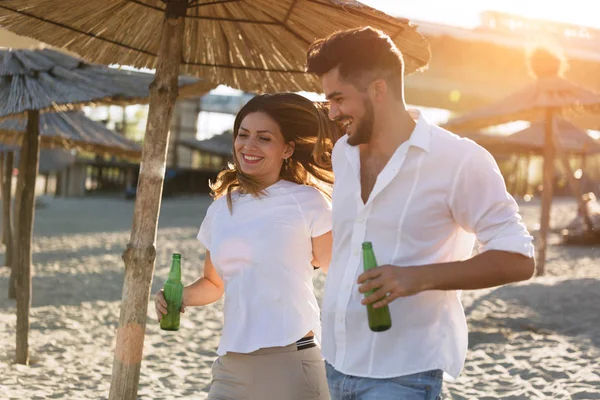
x=480, y=204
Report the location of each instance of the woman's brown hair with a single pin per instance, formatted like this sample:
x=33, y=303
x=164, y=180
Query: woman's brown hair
x=301, y=121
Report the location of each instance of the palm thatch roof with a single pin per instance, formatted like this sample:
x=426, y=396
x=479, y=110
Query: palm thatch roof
x=219, y=145
x=48, y=80
x=571, y=138
x=530, y=104
x=70, y=130
x=253, y=45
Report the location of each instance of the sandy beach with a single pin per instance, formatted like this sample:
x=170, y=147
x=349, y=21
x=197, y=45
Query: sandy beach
x=535, y=340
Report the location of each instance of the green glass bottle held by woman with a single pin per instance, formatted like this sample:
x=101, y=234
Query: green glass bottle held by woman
x=173, y=292
x=379, y=318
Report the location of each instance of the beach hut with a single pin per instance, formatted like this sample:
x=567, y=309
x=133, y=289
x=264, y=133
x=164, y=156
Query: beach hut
x=218, y=147
x=531, y=140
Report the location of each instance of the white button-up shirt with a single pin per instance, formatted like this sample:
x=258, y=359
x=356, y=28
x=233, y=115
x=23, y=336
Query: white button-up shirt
x=437, y=194
x=263, y=252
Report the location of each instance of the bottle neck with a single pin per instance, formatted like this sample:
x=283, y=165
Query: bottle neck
x=369, y=259
x=175, y=271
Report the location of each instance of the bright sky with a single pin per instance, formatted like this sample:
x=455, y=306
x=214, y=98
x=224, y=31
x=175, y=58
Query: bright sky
x=466, y=12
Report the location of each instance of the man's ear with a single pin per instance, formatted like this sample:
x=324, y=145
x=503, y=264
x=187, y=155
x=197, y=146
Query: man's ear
x=378, y=90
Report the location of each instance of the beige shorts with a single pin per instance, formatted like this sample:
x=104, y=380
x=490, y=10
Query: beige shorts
x=276, y=373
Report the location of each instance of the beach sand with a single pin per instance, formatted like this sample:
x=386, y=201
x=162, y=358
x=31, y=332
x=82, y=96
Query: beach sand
x=534, y=340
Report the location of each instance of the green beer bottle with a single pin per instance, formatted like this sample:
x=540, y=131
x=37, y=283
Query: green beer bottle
x=379, y=318
x=173, y=292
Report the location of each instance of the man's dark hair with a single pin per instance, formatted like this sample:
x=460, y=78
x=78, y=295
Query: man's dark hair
x=362, y=55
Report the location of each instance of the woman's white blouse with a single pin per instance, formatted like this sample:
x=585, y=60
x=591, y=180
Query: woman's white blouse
x=263, y=251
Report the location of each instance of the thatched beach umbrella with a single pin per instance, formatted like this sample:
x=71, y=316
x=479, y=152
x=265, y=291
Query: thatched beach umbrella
x=35, y=81
x=531, y=140
x=72, y=130
x=66, y=130
x=549, y=96
x=253, y=45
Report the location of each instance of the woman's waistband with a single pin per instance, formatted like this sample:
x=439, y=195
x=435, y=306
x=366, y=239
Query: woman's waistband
x=302, y=344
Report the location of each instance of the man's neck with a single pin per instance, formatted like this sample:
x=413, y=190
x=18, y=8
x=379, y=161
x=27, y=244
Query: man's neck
x=392, y=128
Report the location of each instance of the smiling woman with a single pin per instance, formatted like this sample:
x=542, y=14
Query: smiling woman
x=260, y=252
x=276, y=136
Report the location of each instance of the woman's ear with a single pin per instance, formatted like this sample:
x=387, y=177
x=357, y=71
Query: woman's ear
x=289, y=149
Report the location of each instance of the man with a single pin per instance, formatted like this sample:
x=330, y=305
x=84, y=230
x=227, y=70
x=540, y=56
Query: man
x=422, y=196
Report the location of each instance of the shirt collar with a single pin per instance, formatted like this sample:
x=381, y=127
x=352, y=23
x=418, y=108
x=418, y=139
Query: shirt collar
x=420, y=136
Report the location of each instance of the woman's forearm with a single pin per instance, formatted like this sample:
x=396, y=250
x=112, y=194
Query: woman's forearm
x=202, y=292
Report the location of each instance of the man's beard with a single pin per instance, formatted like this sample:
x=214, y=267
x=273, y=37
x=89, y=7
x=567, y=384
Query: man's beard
x=364, y=130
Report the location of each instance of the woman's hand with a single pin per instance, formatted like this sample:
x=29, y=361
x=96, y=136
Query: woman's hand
x=160, y=304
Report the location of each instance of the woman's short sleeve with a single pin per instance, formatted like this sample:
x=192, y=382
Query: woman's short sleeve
x=317, y=212
x=204, y=234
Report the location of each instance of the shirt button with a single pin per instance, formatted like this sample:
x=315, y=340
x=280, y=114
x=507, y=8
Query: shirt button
x=355, y=253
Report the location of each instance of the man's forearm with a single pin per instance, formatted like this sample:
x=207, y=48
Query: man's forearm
x=488, y=269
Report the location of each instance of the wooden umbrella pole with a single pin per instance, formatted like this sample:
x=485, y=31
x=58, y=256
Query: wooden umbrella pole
x=28, y=166
x=525, y=187
x=583, y=167
x=548, y=183
x=576, y=189
x=514, y=175
x=2, y=158
x=140, y=255
x=7, y=220
x=573, y=183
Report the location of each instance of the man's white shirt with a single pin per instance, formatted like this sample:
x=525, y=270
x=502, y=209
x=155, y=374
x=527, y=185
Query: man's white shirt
x=436, y=196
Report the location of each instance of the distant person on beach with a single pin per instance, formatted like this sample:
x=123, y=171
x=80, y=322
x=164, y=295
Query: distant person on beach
x=269, y=226
x=422, y=196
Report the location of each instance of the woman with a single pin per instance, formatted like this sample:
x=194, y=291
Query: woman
x=269, y=225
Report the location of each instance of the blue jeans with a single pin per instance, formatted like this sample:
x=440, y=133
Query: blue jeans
x=422, y=386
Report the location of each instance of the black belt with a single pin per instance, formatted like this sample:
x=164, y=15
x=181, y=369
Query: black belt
x=306, y=343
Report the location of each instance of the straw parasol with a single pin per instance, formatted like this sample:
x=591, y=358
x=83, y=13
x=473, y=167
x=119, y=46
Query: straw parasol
x=253, y=45
x=48, y=80
x=531, y=140
x=72, y=130
x=35, y=81
x=549, y=96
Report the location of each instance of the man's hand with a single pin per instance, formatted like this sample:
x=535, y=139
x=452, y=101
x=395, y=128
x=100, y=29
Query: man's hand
x=389, y=283
x=488, y=269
